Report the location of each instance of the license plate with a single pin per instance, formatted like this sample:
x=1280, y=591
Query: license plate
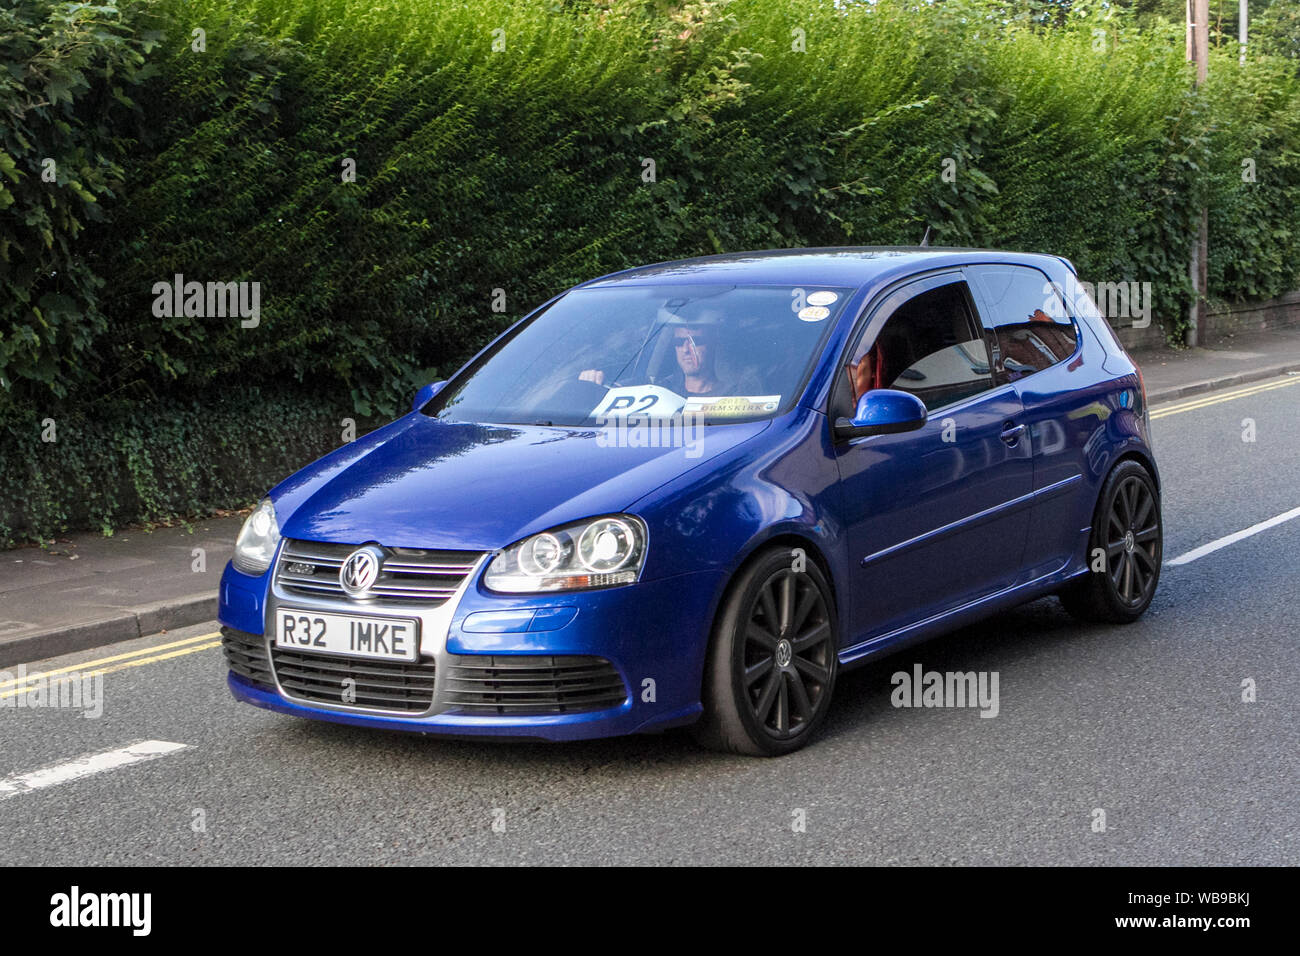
x=376, y=638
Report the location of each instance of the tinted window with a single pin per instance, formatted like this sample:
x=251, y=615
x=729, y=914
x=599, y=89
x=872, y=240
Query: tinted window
x=931, y=347
x=1032, y=330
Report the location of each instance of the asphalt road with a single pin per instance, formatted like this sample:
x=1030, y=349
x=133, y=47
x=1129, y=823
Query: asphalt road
x=1145, y=722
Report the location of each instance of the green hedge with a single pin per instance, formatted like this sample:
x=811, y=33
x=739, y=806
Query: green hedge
x=129, y=463
x=1253, y=179
x=522, y=171
x=67, y=73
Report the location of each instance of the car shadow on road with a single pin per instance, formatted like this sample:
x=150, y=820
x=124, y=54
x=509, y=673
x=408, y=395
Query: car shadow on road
x=862, y=696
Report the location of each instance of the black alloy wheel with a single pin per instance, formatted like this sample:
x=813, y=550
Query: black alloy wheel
x=1124, y=551
x=773, y=659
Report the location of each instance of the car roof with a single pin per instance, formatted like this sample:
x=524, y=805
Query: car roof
x=842, y=266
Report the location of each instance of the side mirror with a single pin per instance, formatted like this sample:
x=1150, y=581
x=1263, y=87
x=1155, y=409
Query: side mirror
x=882, y=411
x=423, y=395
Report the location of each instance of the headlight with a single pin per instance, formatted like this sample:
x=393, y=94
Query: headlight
x=596, y=553
x=257, y=541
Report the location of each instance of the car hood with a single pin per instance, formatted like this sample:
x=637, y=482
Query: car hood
x=424, y=483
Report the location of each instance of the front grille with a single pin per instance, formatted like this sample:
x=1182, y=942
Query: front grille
x=517, y=685
x=387, y=686
x=525, y=684
x=408, y=575
x=246, y=656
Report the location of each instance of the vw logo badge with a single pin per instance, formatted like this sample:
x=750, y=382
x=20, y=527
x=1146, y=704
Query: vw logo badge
x=361, y=570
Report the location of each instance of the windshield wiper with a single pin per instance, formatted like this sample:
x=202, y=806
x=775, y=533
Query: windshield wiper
x=650, y=336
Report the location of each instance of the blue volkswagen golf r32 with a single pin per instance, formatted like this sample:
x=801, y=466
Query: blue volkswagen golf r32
x=689, y=493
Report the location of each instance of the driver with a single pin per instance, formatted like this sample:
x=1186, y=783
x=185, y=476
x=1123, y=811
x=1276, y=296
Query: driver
x=695, y=344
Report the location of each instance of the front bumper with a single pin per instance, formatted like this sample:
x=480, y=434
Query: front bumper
x=562, y=666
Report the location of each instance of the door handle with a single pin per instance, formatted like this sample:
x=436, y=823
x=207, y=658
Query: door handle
x=1011, y=433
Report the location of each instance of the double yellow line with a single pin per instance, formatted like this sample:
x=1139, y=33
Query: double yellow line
x=145, y=655
x=1205, y=401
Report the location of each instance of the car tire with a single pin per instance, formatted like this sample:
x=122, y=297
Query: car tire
x=773, y=658
x=1128, y=529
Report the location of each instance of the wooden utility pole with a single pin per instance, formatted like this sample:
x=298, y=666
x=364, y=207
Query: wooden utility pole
x=1241, y=30
x=1198, y=51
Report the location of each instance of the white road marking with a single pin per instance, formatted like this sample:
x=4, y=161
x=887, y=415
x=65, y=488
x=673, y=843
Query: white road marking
x=85, y=766
x=1215, y=545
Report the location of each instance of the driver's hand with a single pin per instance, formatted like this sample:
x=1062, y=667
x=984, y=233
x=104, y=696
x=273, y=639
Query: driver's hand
x=592, y=375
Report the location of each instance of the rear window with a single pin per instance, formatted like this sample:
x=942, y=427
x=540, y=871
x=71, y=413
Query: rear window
x=1083, y=305
x=1032, y=329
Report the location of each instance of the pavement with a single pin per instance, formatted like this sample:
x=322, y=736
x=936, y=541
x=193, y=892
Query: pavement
x=1231, y=361
x=87, y=590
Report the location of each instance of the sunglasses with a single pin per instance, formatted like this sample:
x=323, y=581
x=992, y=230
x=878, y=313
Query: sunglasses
x=682, y=341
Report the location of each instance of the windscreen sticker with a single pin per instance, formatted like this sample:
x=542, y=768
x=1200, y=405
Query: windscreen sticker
x=814, y=313
x=733, y=406
x=822, y=298
x=638, y=401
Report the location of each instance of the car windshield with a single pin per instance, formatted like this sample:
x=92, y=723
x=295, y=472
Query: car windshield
x=723, y=353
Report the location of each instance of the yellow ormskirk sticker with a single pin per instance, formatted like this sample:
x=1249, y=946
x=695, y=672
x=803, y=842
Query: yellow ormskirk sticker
x=814, y=313
x=733, y=406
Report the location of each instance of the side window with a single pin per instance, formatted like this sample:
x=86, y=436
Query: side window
x=1031, y=328
x=931, y=346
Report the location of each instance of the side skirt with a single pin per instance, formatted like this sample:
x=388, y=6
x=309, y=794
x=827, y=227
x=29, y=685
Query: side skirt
x=955, y=618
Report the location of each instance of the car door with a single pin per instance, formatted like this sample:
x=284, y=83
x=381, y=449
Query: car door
x=935, y=518
x=1037, y=349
